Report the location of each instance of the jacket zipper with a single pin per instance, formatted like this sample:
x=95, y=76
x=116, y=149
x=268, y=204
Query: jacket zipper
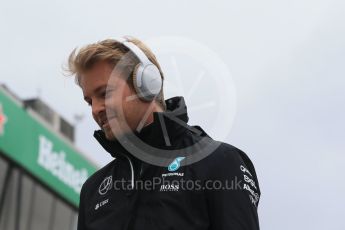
x=132, y=171
x=141, y=169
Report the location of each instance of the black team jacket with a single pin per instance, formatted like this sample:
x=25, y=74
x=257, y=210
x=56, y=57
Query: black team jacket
x=218, y=192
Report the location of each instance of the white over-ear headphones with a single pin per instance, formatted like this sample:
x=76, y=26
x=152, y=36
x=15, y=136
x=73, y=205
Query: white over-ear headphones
x=147, y=79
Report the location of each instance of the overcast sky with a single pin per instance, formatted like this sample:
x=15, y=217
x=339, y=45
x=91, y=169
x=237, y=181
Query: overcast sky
x=284, y=93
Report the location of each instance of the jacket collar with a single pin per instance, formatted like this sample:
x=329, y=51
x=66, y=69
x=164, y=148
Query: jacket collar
x=170, y=123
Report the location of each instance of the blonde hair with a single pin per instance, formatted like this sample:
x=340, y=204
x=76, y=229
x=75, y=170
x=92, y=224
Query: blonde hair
x=111, y=51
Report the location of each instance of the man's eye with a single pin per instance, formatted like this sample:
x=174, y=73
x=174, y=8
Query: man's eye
x=104, y=94
x=108, y=93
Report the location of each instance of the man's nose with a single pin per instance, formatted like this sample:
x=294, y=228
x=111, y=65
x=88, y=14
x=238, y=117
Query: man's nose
x=97, y=108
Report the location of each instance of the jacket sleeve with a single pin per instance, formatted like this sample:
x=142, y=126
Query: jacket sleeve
x=234, y=206
x=81, y=210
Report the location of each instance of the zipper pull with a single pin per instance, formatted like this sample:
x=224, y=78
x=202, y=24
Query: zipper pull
x=141, y=169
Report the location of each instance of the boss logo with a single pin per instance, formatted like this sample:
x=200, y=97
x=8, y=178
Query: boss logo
x=169, y=187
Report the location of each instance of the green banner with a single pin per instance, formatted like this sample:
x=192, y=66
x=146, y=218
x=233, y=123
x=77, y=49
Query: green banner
x=50, y=158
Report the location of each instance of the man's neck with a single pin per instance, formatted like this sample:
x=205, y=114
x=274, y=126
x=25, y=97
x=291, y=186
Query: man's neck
x=155, y=108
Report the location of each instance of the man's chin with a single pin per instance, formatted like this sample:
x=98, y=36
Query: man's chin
x=115, y=133
x=109, y=135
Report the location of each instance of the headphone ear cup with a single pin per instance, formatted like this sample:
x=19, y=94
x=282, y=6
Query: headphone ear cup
x=134, y=79
x=150, y=81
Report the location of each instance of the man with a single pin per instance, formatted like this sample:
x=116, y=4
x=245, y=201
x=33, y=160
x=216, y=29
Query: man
x=187, y=179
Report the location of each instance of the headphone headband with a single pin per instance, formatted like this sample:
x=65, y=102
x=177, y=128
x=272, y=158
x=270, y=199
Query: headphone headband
x=136, y=50
x=147, y=79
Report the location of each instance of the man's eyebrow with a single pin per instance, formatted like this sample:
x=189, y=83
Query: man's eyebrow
x=97, y=90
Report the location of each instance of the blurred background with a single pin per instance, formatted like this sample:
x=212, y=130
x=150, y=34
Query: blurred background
x=284, y=62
